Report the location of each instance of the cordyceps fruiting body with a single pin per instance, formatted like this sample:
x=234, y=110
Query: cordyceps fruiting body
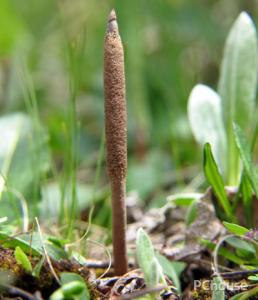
x=116, y=138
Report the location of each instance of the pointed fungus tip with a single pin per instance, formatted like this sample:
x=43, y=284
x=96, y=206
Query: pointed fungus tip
x=112, y=16
x=112, y=23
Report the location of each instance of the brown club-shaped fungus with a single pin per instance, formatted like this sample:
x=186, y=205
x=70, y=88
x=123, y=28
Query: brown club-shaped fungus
x=116, y=138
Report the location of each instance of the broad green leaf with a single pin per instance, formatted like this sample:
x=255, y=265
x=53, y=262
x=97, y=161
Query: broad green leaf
x=145, y=255
x=68, y=277
x=206, y=121
x=151, y=168
x=170, y=270
x=237, y=85
x=50, y=205
x=55, y=252
x=253, y=277
x=70, y=290
x=235, y=229
x=215, y=180
x=73, y=288
x=218, y=289
x=13, y=206
x=32, y=244
x=57, y=295
x=22, y=259
x=191, y=213
x=21, y=160
x=184, y=199
x=13, y=242
x=245, y=153
x=10, y=127
x=242, y=245
x=154, y=272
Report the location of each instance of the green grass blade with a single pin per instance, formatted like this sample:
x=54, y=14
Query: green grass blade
x=215, y=180
x=226, y=253
x=245, y=153
x=247, y=195
x=38, y=267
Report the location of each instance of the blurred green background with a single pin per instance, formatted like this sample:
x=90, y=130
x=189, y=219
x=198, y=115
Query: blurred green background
x=170, y=45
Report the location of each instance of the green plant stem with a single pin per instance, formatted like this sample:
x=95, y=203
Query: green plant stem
x=99, y=164
x=73, y=163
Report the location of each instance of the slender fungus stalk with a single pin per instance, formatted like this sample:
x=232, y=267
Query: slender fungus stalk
x=116, y=138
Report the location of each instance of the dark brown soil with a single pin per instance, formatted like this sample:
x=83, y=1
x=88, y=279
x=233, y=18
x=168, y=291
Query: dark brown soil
x=46, y=283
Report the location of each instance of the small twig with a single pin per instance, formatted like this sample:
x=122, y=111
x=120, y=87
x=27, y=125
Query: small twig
x=109, y=257
x=106, y=281
x=208, y=263
x=38, y=296
x=103, y=264
x=97, y=264
x=142, y=292
x=31, y=238
x=85, y=233
x=238, y=273
x=15, y=291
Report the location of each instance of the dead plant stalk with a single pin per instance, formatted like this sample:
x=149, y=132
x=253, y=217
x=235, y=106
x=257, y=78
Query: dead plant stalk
x=116, y=138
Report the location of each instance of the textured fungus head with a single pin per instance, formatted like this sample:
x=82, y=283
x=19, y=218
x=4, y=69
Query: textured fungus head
x=115, y=103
